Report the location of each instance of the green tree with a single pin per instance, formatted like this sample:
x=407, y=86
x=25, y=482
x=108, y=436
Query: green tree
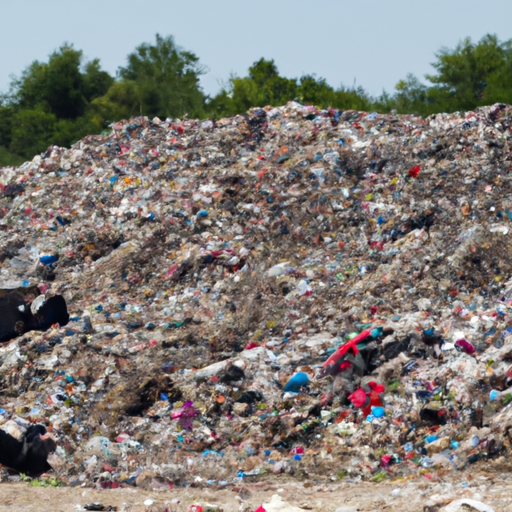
x=33, y=132
x=61, y=86
x=166, y=79
x=96, y=82
x=411, y=95
x=120, y=102
x=7, y=158
x=221, y=105
x=316, y=91
x=272, y=89
x=474, y=74
x=468, y=76
x=6, y=114
x=49, y=103
x=353, y=98
x=263, y=86
x=6, y=121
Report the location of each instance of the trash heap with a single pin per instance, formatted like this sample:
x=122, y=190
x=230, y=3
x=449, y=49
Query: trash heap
x=295, y=291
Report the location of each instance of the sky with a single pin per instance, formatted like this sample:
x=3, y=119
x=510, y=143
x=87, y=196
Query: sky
x=373, y=43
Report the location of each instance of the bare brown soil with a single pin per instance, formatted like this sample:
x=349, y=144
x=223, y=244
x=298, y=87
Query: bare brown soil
x=416, y=495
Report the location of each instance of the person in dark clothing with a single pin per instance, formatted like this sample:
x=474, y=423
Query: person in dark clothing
x=29, y=456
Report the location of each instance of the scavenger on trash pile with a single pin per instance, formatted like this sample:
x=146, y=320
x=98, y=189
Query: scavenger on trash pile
x=311, y=292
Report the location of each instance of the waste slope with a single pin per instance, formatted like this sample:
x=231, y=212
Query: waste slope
x=210, y=269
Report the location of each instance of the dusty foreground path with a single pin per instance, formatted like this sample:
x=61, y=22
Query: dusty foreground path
x=408, y=496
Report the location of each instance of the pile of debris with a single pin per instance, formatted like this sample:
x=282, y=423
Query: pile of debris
x=293, y=291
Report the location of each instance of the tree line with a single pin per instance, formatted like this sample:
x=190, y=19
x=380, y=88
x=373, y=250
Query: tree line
x=66, y=98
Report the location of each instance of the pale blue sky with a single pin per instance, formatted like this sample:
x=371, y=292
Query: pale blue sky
x=371, y=41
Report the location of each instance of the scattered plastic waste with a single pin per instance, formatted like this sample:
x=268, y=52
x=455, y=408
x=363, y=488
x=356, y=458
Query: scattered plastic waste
x=292, y=291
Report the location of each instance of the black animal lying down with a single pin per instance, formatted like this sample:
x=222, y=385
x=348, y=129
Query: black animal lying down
x=30, y=455
x=16, y=318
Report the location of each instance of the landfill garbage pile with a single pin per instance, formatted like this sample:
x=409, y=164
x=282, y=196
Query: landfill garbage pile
x=294, y=291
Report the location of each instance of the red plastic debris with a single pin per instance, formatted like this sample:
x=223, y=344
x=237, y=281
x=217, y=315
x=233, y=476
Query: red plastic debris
x=358, y=398
x=414, y=171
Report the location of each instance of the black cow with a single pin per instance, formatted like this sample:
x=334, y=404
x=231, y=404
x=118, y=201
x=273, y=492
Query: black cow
x=29, y=456
x=16, y=318
x=14, y=313
x=53, y=311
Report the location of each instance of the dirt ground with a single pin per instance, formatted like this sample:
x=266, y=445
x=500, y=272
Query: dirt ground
x=401, y=495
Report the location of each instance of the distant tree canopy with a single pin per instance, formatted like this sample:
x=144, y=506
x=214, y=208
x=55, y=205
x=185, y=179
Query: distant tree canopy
x=159, y=80
x=61, y=86
x=64, y=99
x=469, y=76
x=48, y=103
x=264, y=86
